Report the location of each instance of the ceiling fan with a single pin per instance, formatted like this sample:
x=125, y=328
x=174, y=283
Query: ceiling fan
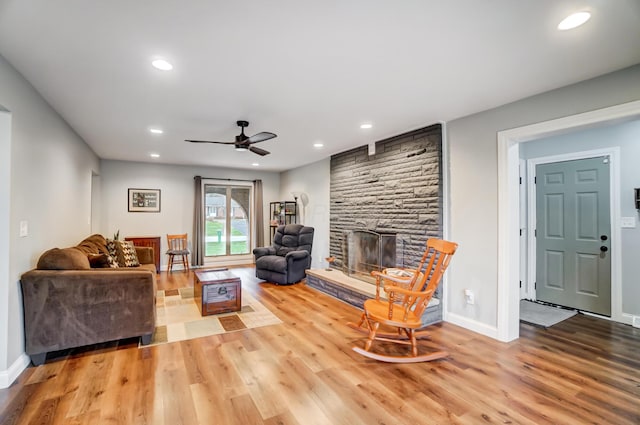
x=244, y=142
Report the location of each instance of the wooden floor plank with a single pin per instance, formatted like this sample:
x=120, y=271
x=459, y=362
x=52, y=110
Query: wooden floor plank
x=303, y=371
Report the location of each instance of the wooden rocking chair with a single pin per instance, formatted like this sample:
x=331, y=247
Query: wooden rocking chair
x=408, y=294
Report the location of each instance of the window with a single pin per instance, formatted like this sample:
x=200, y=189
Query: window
x=227, y=219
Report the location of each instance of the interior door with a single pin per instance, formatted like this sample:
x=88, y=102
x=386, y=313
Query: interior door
x=573, y=261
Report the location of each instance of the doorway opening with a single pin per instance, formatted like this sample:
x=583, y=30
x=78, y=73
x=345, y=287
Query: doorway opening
x=509, y=210
x=227, y=219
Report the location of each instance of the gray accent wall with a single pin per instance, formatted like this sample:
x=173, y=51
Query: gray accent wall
x=399, y=189
x=626, y=136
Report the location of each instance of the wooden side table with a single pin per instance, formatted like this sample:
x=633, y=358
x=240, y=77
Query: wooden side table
x=150, y=241
x=217, y=292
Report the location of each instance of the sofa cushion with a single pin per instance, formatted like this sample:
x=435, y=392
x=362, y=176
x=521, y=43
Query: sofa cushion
x=273, y=263
x=63, y=259
x=284, y=251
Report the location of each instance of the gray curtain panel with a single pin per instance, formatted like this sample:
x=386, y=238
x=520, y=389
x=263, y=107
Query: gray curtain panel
x=197, y=253
x=259, y=217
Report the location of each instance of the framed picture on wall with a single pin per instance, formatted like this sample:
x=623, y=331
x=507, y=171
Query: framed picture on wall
x=144, y=200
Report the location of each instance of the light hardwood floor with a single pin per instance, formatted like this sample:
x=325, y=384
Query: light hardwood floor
x=582, y=371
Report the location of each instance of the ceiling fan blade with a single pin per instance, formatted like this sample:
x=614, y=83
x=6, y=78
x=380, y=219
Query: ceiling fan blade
x=261, y=137
x=259, y=151
x=208, y=141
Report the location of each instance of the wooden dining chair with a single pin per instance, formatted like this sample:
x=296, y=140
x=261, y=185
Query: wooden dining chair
x=178, y=247
x=408, y=292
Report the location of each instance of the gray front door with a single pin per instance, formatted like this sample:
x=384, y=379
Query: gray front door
x=573, y=261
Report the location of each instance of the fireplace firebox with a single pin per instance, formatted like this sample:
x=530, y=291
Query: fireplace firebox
x=364, y=251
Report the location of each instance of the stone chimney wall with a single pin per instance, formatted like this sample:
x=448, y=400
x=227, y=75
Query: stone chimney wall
x=399, y=189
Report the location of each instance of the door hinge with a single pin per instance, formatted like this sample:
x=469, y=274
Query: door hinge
x=535, y=285
x=521, y=284
x=520, y=232
x=520, y=180
x=535, y=180
x=535, y=233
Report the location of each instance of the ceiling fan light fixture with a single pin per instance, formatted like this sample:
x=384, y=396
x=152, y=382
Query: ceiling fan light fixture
x=574, y=20
x=244, y=142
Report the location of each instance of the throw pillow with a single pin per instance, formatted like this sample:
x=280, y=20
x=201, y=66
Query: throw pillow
x=63, y=259
x=112, y=253
x=94, y=244
x=127, y=256
x=99, y=261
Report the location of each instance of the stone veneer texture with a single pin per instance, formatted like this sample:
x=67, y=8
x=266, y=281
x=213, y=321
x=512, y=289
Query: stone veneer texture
x=399, y=189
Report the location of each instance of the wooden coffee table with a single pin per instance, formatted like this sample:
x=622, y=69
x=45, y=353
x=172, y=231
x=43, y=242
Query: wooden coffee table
x=217, y=292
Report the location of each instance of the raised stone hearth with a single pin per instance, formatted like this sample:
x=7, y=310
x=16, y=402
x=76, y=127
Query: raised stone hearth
x=353, y=291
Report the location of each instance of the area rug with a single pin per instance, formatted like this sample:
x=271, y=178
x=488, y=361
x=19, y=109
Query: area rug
x=178, y=317
x=543, y=315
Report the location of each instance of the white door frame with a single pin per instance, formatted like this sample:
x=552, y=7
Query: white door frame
x=614, y=211
x=509, y=206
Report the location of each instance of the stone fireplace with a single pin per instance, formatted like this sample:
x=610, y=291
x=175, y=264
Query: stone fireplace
x=398, y=191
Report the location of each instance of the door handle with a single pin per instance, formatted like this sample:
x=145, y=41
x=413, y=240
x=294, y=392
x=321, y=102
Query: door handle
x=603, y=237
x=604, y=249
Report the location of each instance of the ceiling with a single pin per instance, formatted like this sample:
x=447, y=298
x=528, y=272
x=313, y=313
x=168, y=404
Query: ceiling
x=309, y=71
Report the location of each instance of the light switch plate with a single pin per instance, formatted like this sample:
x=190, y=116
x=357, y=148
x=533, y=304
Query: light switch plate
x=628, y=222
x=24, y=229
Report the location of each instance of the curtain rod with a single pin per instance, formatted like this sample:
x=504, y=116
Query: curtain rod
x=229, y=180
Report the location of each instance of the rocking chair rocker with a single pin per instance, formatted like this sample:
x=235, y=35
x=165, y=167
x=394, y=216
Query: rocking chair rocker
x=408, y=294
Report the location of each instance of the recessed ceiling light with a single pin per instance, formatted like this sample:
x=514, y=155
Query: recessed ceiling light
x=162, y=65
x=574, y=20
x=154, y=155
x=156, y=131
x=366, y=125
x=318, y=145
x=255, y=164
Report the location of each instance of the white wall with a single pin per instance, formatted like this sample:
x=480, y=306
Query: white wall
x=626, y=136
x=312, y=179
x=51, y=169
x=176, y=196
x=474, y=184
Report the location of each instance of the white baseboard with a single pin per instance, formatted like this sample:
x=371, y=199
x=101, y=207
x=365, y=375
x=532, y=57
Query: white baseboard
x=472, y=325
x=8, y=376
